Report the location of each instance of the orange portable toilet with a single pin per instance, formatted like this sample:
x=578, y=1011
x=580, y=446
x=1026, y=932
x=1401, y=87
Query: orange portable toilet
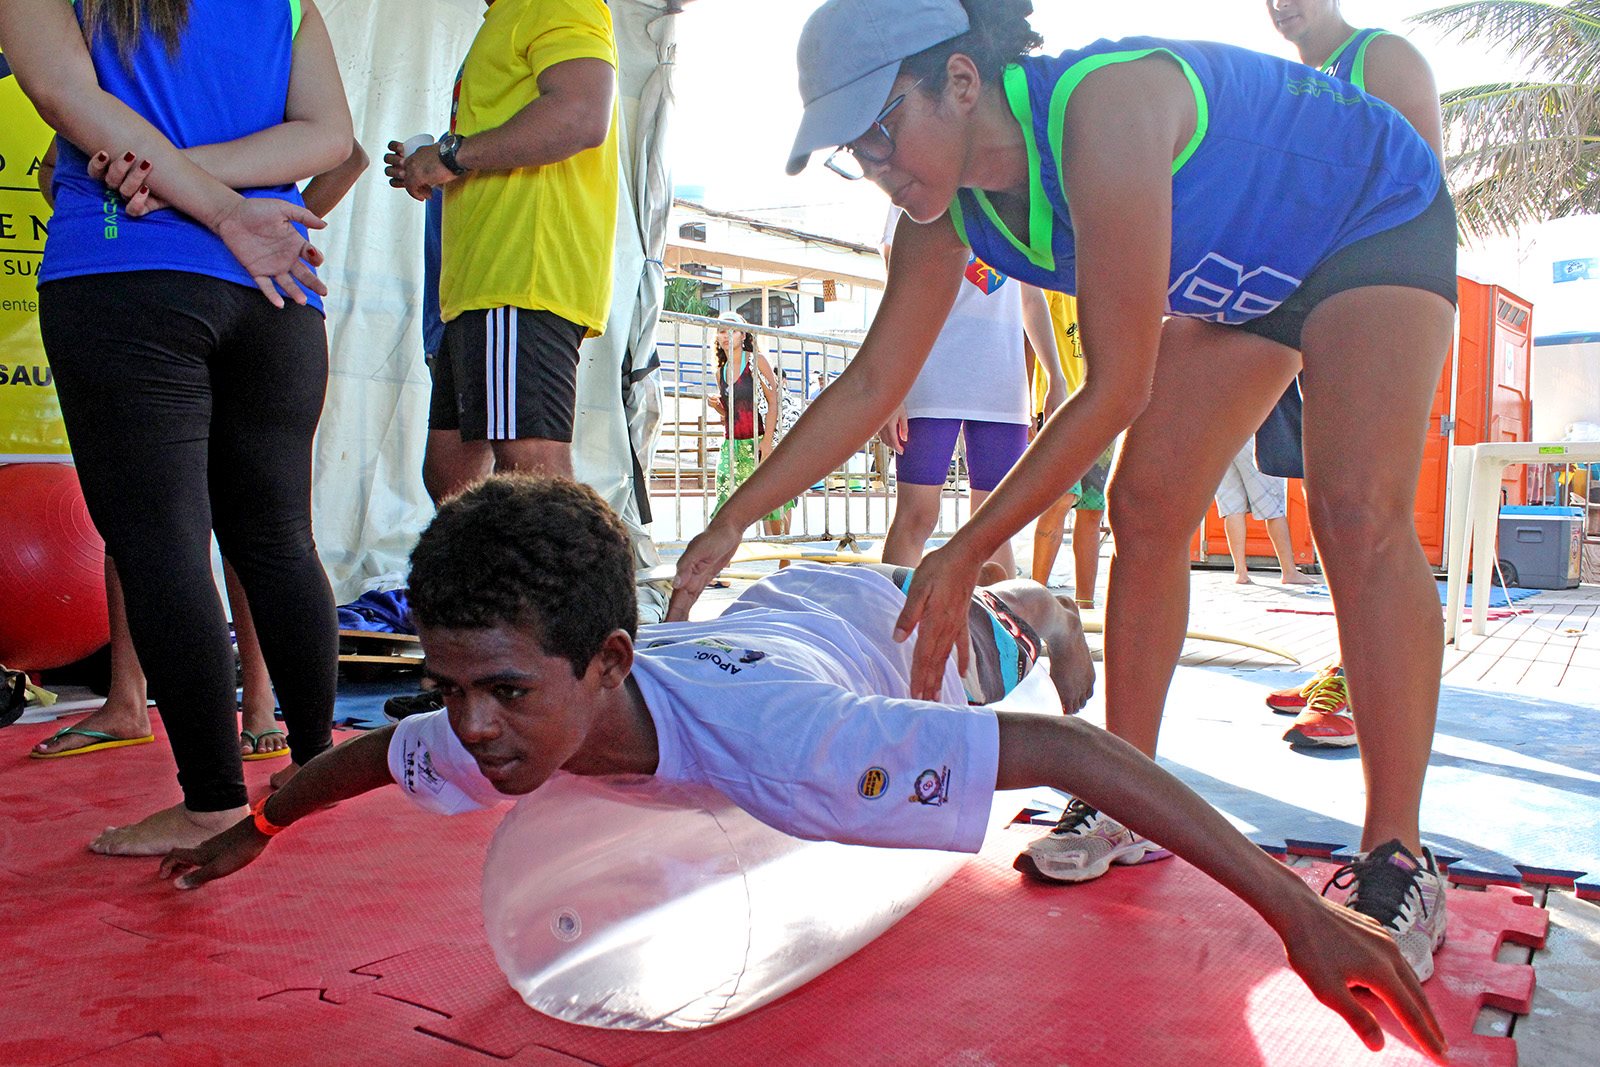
x=1483, y=396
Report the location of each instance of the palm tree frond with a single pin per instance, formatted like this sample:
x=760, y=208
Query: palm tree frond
x=1562, y=41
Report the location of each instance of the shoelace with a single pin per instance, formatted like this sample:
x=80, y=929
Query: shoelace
x=1317, y=679
x=1381, y=886
x=1328, y=697
x=1077, y=814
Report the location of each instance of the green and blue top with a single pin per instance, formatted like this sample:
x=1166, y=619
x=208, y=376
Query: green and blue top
x=228, y=78
x=1349, y=61
x=1286, y=167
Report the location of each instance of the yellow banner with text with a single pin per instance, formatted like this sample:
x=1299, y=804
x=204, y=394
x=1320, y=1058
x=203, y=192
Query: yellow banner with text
x=30, y=417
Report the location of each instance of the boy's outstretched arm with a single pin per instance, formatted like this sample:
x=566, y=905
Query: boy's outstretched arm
x=1332, y=948
x=358, y=766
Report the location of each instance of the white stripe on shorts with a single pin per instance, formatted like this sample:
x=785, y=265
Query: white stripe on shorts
x=511, y=374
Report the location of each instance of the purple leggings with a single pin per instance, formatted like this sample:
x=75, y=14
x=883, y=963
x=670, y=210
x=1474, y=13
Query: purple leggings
x=992, y=449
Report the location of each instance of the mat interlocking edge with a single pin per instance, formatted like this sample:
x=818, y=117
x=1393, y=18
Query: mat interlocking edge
x=357, y=940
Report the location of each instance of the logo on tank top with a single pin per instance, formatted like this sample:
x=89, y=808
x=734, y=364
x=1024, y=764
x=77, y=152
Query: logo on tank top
x=1219, y=290
x=985, y=277
x=1317, y=88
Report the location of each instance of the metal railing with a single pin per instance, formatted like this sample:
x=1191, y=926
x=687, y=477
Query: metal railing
x=853, y=503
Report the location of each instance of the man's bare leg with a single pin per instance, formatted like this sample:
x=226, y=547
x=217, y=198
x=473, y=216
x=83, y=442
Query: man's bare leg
x=1047, y=535
x=1283, y=545
x=1086, y=555
x=1233, y=526
x=450, y=464
x=535, y=455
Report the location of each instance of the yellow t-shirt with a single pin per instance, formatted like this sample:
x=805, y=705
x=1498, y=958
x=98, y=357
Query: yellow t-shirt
x=1064, y=318
x=535, y=237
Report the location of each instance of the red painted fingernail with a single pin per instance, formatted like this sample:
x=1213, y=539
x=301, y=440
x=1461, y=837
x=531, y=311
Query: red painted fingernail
x=128, y=158
x=101, y=157
x=143, y=189
x=145, y=165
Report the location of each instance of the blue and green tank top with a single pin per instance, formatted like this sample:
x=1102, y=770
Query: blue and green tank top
x=228, y=78
x=1286, y=167
x=1349, y=61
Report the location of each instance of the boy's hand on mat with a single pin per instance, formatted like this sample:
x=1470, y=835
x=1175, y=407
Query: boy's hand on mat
x=126, y=174
x=216, y=857
x=701, y=561
x=1337, y=951
x=259, y=233
x=936, y=607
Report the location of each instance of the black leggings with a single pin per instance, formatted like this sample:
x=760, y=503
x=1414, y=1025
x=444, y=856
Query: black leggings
x=191, y=404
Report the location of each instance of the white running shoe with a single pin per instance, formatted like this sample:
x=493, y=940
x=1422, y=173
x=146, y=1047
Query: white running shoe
x=1083, y=846
x=1405, y=896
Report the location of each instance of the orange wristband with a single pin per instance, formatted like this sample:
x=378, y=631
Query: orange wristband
x=263, y=824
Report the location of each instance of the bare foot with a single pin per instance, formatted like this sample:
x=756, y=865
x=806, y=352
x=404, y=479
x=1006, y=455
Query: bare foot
x=1071, y=664
x=281, y=777
x=158, y=834
x=1294, y=577
x=259, y=720
x=121, y=718
x=1242, y=579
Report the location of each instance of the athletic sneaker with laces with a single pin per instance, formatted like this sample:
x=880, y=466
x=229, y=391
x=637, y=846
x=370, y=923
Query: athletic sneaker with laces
x=1290, y=701
x=1327, y=721
x=1083, y=846
x=1405, y=895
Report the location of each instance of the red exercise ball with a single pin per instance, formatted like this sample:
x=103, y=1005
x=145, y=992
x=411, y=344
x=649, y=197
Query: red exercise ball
x=52, y=569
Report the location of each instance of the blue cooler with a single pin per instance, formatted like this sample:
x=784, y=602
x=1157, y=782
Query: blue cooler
x=1541, y=547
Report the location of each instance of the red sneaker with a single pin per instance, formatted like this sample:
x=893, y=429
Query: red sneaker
x=1327, y=721
x=1290, y=701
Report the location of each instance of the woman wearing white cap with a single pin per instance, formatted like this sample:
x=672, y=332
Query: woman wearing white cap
x=1283, y=219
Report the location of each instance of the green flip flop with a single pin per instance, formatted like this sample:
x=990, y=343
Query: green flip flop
x=255, y=741
x=102, y=743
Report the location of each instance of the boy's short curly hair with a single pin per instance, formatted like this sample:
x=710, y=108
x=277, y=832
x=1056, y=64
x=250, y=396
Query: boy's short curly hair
x=537, y=552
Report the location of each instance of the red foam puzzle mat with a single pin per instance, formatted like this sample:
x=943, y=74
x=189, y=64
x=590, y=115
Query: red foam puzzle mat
x=357, y=939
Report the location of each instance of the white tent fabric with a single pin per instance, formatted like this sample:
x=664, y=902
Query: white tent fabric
x=399, y=61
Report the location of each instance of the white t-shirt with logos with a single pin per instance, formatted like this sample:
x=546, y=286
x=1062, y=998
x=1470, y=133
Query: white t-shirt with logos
x=794, y=704
x=978, y=367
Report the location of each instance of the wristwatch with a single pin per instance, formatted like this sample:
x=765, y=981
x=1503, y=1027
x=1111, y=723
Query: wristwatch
x=449, y=145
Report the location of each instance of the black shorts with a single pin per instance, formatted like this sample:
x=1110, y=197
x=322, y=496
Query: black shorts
x=1420, y=254
x=504, y=374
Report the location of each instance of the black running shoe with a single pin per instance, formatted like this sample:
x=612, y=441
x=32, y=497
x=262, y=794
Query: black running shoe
x=399, y=707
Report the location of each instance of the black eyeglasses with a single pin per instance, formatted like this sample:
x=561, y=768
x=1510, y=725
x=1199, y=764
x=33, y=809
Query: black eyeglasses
x=876, y=146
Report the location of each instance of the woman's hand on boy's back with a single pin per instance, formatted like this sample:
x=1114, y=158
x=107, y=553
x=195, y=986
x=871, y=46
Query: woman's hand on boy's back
x=936, y=608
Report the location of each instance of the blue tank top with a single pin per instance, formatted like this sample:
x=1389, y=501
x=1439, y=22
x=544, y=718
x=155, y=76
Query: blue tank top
x=1349, y=61
x=228, y=78
x=1286, y=167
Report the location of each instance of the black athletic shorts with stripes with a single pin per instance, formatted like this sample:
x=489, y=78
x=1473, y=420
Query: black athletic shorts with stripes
x=505, y=374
